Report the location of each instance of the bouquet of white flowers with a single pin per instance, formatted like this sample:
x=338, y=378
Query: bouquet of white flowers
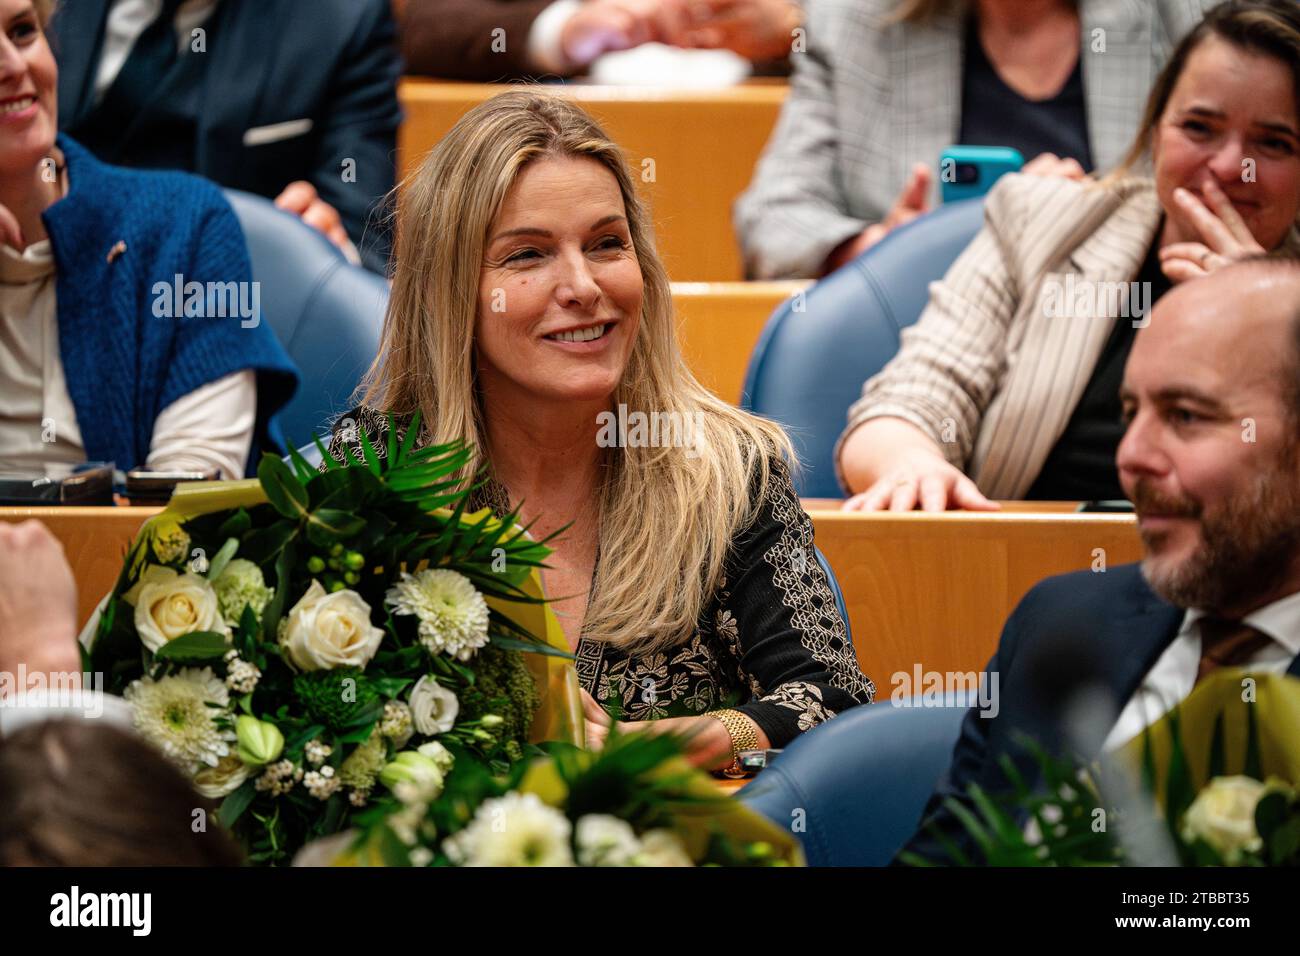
x=350, y=662
x=293, y=642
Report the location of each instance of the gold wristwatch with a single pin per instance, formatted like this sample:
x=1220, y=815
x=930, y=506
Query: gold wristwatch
x=743, y=737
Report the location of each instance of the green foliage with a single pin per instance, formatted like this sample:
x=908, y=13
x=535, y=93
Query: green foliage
x=340, y=699
x=501, y=684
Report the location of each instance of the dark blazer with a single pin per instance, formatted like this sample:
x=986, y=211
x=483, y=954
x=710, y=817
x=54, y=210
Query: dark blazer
x=453, y=39
x=1127, y=627
x=334, y=62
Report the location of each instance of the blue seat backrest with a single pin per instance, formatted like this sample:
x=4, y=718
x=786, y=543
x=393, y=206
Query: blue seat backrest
x=809, y=365
x=852, y=789
x=325, y=312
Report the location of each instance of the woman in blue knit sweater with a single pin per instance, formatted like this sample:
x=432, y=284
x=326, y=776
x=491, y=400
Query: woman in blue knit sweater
x=129, y=323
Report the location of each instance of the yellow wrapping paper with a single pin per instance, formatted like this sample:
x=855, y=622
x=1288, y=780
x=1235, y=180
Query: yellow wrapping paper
x=1276, y=707
x=693, y=822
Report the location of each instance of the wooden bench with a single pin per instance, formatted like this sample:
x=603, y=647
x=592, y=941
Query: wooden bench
x=692, y=151
x=935, y=590
x=927, y=590
x=718, y=324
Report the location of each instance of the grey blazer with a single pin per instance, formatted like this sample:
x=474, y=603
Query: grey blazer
x=869, y=99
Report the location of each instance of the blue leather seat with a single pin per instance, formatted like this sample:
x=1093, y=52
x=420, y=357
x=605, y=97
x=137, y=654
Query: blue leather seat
x=853, y=788
x=325, y=312
x=809, y=366
x=835, y=589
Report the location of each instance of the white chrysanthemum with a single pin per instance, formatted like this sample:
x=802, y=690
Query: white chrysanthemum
x=453, y=615
x=173, y=714
x=241, y=584
x=514, y=830
x=604, y=840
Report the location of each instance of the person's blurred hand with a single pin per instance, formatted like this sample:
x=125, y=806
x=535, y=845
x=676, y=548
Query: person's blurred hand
x=921, y=480
x=755, y=29
x=1227, y=238
x=1049, y=164
x=913, y=201
x=301, y=199
x=11, y=234
x=38, y=601
x=605, y=26
x=597, y=721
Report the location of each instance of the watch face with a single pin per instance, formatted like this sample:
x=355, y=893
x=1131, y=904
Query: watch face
x=753, y=760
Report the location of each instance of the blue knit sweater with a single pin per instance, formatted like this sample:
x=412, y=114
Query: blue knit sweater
x=115, y=236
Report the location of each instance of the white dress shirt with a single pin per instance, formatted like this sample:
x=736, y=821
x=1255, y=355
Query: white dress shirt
x=209, y=428
x=1174, y=674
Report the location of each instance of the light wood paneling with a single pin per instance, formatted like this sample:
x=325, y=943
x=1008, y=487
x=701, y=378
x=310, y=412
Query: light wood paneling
x=935, y=589
x=692, y=151
x=718, y=324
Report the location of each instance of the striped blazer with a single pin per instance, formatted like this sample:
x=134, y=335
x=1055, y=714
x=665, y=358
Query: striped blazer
x=1000, y=357
x=868, y=99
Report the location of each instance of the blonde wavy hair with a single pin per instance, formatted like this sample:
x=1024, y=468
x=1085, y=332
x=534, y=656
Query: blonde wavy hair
x=666, y=519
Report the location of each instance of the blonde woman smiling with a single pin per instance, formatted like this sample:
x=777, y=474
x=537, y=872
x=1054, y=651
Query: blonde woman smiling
x=528, y=300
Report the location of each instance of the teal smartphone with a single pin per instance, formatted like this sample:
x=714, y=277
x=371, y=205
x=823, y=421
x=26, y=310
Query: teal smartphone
x=969, y=171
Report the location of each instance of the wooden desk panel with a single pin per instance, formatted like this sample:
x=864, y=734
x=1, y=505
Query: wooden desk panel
x=95, y=541
x=703, y=143
x=935, y=590
x=718, y=324
x=927, y=589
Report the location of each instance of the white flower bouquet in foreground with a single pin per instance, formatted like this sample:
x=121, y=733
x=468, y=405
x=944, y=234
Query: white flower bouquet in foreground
x=348, y=660
x=291, y=642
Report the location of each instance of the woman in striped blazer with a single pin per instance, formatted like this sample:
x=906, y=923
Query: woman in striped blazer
x=1007, y=387
x=884, y=86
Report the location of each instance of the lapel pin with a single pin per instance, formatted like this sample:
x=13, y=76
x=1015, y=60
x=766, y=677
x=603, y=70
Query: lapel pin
x=119, y=248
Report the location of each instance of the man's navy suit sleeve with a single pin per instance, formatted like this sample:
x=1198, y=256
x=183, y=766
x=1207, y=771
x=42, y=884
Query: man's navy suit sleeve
x=361, y=125
x=973, y=753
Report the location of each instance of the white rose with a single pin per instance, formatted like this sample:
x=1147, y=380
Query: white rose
x=226, y=777
x=433, y=707
x=324, y=631
x=1223, y=815
x=438, y=754
x=169, y=605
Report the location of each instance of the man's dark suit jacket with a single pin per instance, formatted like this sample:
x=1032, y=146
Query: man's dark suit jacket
x=334, y=62
x=1126, y=626
x=453, y=39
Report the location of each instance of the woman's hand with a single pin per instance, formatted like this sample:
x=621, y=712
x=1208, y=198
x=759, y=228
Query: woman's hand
x=597, y=722
x=755, y=29
x=301, y=199
x=921, y=479
x=38, y=602
x=1049, y=164
x=1226, y=236
x=706, y=739
x=913, y=201
x=603, y=26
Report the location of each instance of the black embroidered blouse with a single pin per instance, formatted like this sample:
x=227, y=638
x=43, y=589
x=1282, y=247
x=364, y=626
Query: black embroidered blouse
x=770, y=643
